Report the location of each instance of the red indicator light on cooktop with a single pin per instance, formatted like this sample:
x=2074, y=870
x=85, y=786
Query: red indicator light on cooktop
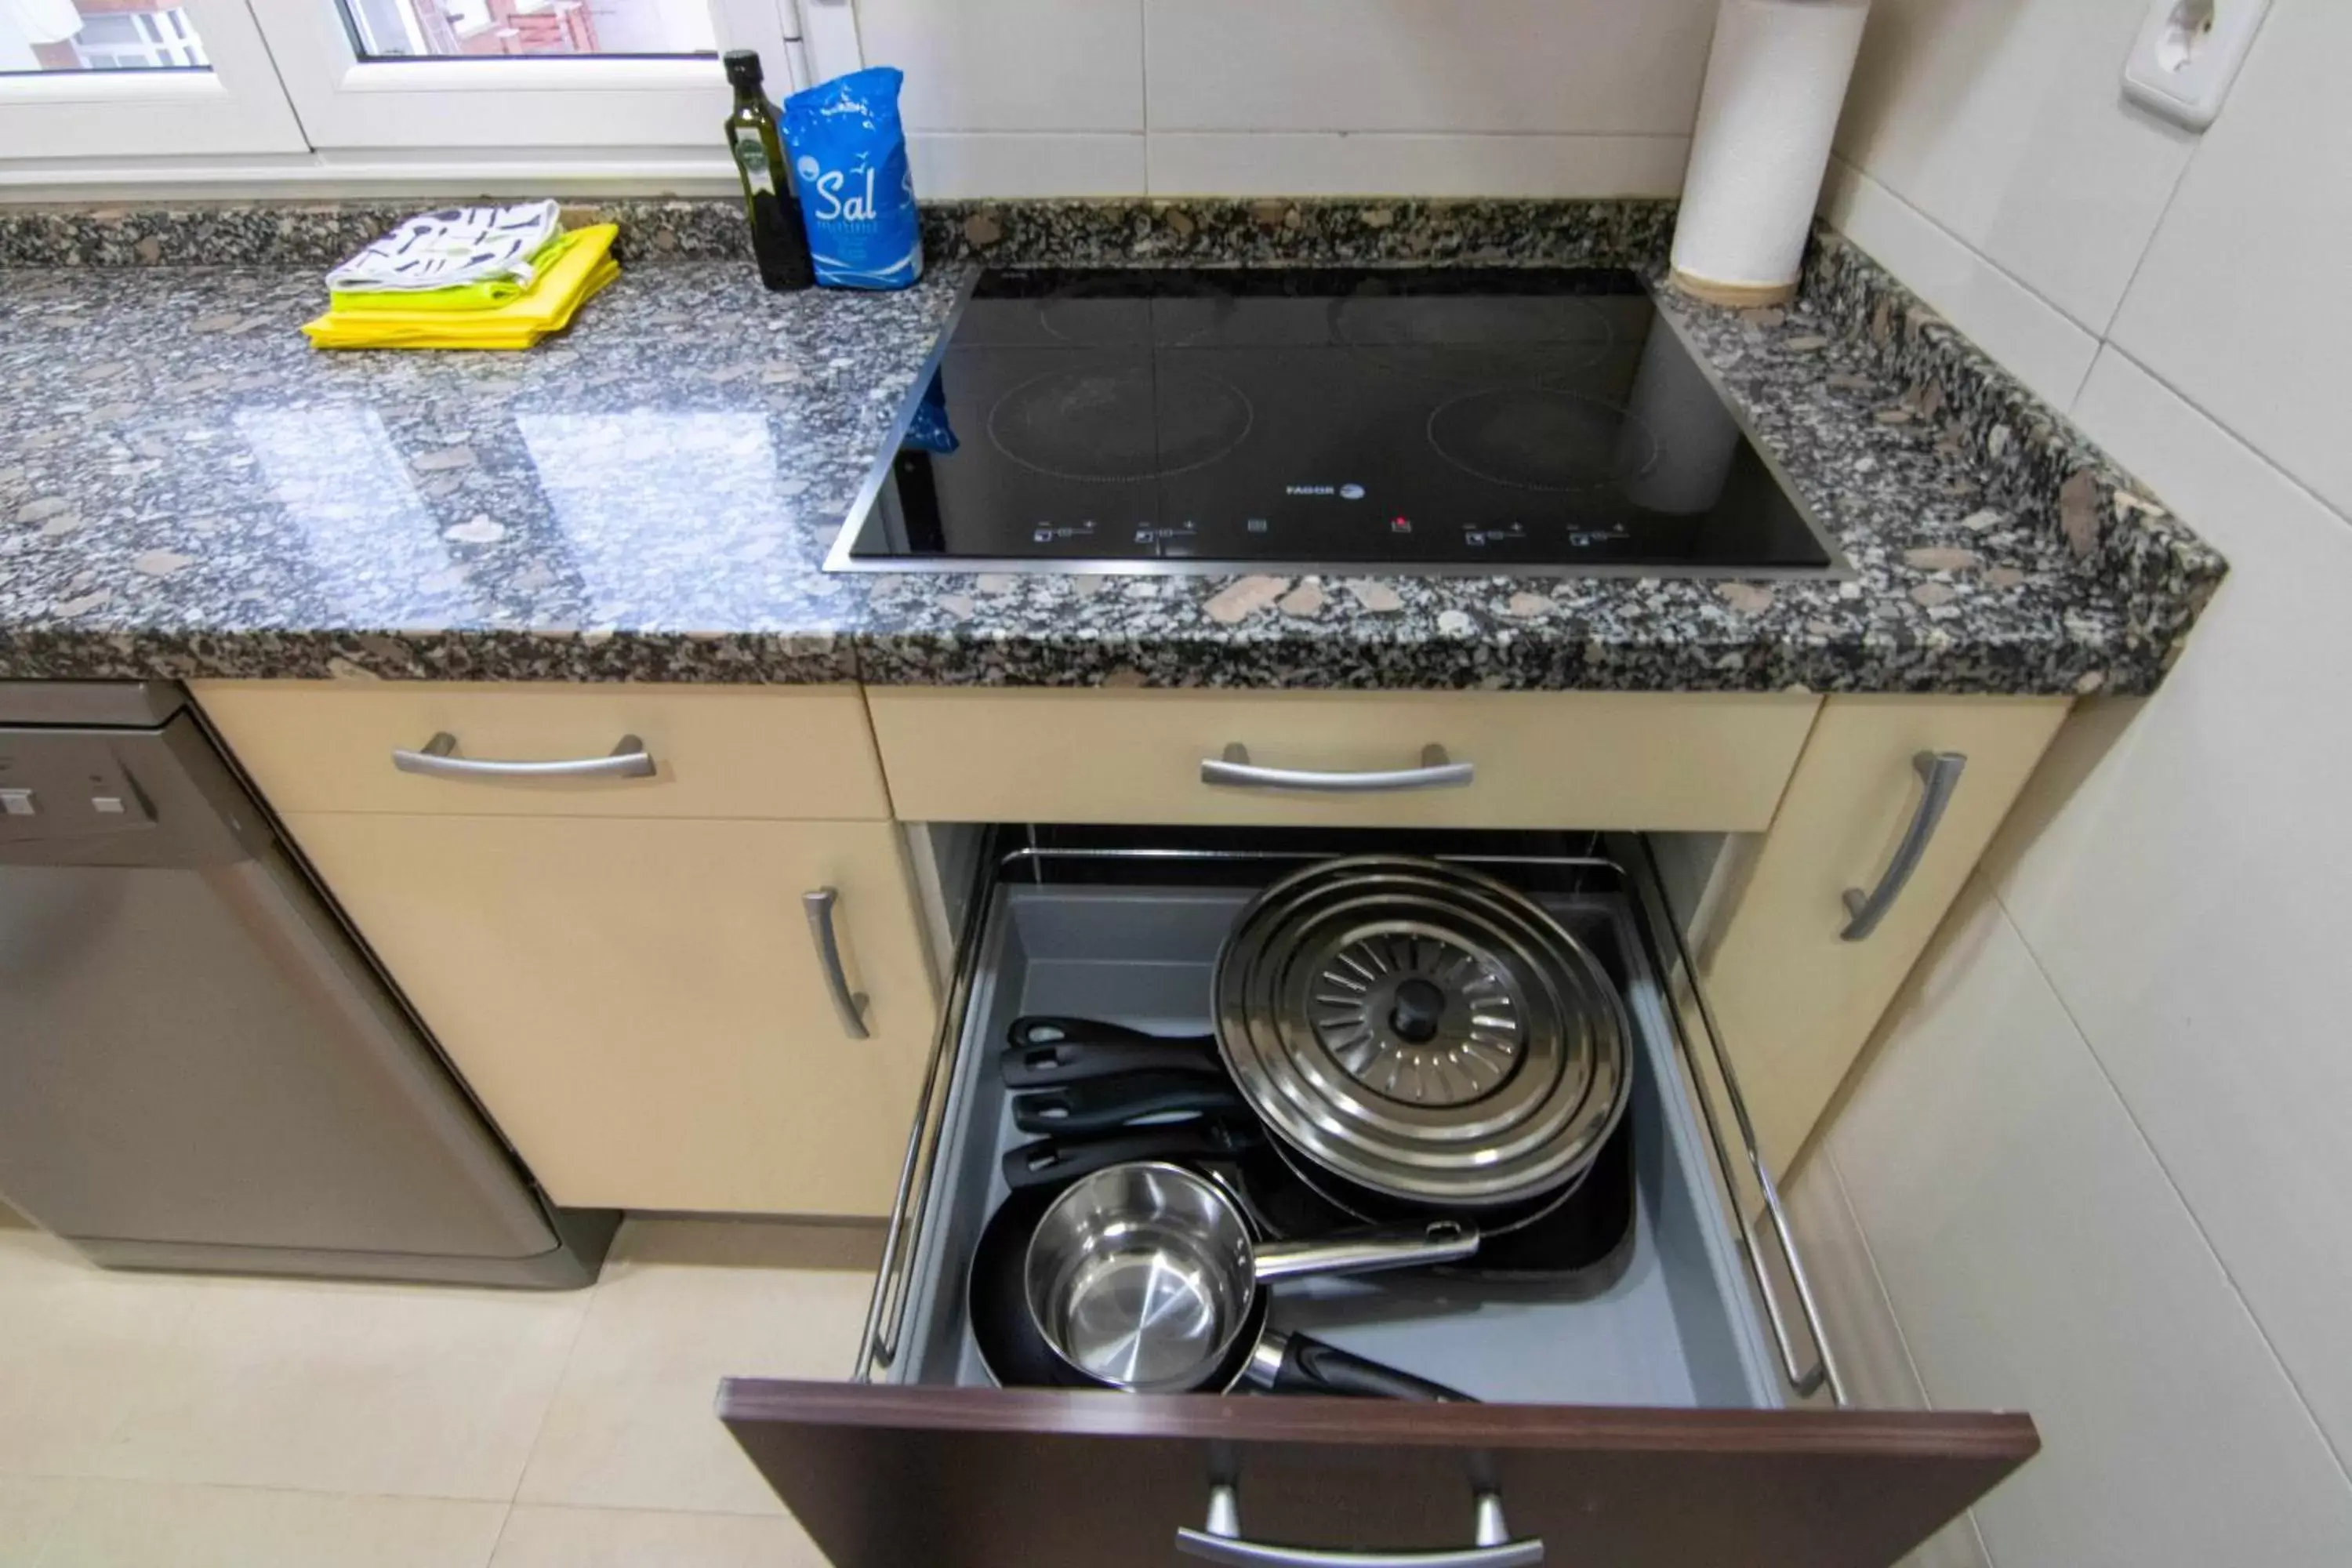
x=1400, y=525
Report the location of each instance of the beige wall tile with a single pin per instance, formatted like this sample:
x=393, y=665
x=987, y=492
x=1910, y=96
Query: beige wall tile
x=1012, y=65
x=1420, y=65
x=683, y=1304
x=2001, y=120
x=2038, y=1258
x=952, y=165
x=2186, y=898
x=2025, y=332
x=1363, y=163
x=2240, y=304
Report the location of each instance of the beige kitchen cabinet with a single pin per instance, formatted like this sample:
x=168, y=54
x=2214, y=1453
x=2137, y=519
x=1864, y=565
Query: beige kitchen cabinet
x=1797, y=800
x=1796, y=996
x=622, y=968
x=1533, y=759
x=770, y=752
x=641, y=1004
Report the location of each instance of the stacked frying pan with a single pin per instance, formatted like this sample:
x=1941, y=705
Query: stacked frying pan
x=1398, y=1041
x=1416, y=1033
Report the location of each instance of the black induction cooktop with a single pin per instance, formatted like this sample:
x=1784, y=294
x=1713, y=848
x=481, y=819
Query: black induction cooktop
x=1406, y=420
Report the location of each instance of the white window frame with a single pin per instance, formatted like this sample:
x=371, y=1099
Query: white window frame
x=348, y=103
x=151, y=45
x=289, y=106
x=234, y=106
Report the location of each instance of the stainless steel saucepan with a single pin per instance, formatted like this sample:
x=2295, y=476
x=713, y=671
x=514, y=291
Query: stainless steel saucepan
x=1145, y=1277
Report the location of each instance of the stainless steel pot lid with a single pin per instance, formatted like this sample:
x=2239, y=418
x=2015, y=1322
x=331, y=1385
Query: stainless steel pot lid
x=1422, y=1029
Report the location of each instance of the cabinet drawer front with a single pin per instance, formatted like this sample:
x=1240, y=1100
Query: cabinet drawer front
x=1541, y=759
x=641, y=1006
x=1635, y=1421
x=882, y=1478
x=750, y=751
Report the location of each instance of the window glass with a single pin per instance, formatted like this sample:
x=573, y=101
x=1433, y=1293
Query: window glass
x=440, y=29
x=98, y=35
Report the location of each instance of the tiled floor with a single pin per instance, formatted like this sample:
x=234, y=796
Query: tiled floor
x=151, y=1419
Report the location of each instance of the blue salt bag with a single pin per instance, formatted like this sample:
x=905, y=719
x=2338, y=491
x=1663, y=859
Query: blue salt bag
x=856, y=195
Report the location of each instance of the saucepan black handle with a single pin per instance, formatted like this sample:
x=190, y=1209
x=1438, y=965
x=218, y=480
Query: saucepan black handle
x=1042, y=1052
x=1102, y=1104
x=1051, y=1162
x=1311, y=1367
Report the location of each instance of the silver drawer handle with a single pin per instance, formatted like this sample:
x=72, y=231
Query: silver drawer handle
x=848, y=1004
x=1222, y=1543
x=1236, y=769
x=439, y=760
x=1940, y=772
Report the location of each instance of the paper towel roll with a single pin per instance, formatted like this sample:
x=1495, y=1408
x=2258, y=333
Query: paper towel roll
x=1774, y=82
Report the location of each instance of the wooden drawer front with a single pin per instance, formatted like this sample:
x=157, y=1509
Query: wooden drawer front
x=640, y=1004
x=1633, y=1419
x=989, y=1477
x=748, y=751
x=1542, y=760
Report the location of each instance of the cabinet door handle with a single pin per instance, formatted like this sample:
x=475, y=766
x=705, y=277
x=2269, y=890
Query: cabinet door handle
x=1939, y=772
x=1437, y=771
x=439, y=760
x=846, y=1004
x=1222, y=1541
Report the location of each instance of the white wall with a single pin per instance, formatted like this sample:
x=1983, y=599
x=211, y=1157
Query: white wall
x=1294, y=97
x=2100, y=1164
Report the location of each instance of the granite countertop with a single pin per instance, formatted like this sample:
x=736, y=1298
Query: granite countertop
x=188, y=489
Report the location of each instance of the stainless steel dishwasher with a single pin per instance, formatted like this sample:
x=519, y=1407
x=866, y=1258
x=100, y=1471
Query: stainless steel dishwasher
x=199, y=1066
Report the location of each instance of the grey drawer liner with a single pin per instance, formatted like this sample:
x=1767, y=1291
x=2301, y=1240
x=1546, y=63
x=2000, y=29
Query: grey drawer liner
x=1677, y=1325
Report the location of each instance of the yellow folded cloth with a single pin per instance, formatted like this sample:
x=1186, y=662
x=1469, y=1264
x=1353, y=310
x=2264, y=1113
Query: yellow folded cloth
x=547, y=306
x=488, y=294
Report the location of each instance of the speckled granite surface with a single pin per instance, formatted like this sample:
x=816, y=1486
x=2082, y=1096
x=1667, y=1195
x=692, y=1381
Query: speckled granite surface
x=1197, y=233
x=2158, y=573
x=1193, y=232
x=186, y=488
x=319, y=234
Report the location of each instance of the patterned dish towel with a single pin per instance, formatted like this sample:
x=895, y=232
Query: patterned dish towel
x=575, y=271
x=454, y=246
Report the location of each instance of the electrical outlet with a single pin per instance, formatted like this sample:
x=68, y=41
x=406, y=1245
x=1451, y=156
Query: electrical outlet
x=2187, y=55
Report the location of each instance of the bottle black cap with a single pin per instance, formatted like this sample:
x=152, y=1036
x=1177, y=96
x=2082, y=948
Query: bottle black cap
x=742, y=66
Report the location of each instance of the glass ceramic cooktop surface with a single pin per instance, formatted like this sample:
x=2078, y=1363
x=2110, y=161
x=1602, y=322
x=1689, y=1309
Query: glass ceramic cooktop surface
x=1504, y=420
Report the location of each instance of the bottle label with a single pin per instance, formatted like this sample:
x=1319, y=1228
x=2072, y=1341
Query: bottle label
x=751, y=157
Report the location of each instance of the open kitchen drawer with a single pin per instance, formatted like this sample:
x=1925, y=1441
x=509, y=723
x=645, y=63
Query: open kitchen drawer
x=1634, y=1412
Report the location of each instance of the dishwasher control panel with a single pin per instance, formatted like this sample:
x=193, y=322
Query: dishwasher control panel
x=66, y=784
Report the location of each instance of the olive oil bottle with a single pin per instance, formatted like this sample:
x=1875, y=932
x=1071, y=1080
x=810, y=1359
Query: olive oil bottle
x=778, y=238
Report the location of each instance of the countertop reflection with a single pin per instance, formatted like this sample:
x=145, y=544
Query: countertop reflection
x=188, y=489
